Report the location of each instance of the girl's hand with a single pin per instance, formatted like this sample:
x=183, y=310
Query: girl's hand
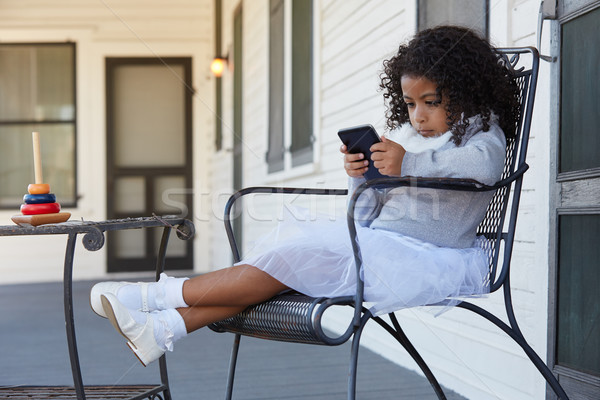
x=354, y=164
x=387, y=157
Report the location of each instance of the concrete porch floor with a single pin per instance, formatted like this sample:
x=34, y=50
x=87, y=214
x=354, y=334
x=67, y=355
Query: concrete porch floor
x=34, y=351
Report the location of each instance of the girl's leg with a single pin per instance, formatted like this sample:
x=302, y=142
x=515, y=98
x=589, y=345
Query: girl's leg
x=221, y=294
x=237, y=286
x=199, y=317
x=212, y=297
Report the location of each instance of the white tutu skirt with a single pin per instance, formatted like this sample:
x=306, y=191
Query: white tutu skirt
x=314, y=256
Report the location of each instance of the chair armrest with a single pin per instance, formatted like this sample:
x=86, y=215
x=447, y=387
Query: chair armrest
x=470, y=185
x=269, y=190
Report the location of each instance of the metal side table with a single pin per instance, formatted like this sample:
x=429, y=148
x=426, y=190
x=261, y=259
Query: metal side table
x=93, y=239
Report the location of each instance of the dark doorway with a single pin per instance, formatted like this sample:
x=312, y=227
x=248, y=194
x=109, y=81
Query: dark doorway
x=149, y=156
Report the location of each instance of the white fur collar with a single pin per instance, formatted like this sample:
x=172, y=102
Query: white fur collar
x=406, y=136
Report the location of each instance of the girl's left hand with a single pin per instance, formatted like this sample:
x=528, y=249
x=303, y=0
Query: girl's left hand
x=387, y=157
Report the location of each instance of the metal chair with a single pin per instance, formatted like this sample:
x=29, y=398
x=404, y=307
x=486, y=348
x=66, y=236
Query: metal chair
x=297, y=318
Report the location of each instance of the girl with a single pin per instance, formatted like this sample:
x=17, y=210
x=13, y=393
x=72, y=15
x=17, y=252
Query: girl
x=450, y=105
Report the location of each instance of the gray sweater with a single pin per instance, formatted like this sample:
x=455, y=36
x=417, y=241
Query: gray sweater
x=441, y=217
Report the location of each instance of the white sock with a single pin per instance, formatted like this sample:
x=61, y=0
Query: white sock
x=171, y=295
x=169, y=327
x=164, y=294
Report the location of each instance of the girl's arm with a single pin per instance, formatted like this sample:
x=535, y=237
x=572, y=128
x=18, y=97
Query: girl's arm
x=480, y=158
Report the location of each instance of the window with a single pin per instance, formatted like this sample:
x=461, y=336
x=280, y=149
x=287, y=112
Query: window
x=578, y=314
x=295, y=67
x=301, y=146
x=37, y=93
x=574, y=317
x=580, y=89
x=472, y=14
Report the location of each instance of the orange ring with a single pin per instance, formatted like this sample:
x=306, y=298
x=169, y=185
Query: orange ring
x=38, y=188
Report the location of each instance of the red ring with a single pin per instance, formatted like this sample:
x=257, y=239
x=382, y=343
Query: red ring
x=44, y=208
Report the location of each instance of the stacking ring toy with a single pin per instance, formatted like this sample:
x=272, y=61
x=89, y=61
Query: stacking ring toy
x=40, y=206
x=39, y=198
x=45, y=208
x=38, y=188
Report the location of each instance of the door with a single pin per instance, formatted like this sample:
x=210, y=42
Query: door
x=575, y=223
x=149, y=157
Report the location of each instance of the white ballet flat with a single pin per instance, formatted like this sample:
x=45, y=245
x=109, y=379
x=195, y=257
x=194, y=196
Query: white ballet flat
x=140, y=338
x=113, y=287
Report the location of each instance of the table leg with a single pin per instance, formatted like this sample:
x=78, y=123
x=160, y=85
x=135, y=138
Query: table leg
x=160, y=267
x=69, y=320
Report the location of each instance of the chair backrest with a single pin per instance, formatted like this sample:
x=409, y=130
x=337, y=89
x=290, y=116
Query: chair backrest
x=496, y=232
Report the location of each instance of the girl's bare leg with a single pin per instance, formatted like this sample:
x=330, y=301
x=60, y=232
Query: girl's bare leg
x=199, y=317
x=240, y=285
x=224, y=293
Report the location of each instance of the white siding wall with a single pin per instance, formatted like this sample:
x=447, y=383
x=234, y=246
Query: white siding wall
x=352, y=38
x=107, y=29
x=221, y=173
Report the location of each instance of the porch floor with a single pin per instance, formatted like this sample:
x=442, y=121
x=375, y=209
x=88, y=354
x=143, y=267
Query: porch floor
x=34, y=352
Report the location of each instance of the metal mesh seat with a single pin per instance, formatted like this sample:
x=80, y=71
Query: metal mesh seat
x=297, y=318
x=286, y=318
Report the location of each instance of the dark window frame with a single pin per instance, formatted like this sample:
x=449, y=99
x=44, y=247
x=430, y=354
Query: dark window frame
x=301, y=136
x=218, y=80
x=574, y=276
x=566, y=174
x=301, y=146
x=276, y=104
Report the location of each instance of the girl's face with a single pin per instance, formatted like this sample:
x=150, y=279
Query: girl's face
x=426, y=109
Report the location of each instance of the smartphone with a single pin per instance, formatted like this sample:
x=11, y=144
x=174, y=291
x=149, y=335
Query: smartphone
x=359, y=139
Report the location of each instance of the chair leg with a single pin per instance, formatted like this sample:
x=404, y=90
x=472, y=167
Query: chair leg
x=401, y=337
x=232, y=365
x=354, y=357
x=518, y=337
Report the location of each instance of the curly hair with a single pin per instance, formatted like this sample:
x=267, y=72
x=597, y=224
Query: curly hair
x=468, y=74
